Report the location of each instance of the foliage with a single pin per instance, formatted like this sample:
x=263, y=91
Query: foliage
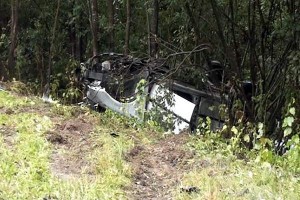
x=291, y=133
x=254, y=40
x=223, y=177
x=159, y=113
x=222, y=169
x=249, y=141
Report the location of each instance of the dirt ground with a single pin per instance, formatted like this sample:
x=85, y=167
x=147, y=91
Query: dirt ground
x=72, y=142
x=158, y=168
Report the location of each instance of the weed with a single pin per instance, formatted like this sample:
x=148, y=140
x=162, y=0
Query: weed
x=218, y=174
x=25, y=171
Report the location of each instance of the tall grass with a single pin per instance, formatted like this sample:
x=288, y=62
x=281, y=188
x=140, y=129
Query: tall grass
x=25, y=171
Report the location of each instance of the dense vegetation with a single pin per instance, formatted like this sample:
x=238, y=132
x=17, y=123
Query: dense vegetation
x=42, y=42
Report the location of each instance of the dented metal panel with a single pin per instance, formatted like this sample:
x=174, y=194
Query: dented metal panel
x=111, y=83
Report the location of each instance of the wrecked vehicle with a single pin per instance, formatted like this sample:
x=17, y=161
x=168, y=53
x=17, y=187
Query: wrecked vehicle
x=137, y=87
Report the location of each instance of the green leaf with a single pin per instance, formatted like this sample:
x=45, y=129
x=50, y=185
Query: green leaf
x=260, y=125
x=287, y=131
x=296, y=139
x=247, y=138
x=292, y=111
x=260, y=129
x=257, y=146
x=288, y=121
x=234, y=130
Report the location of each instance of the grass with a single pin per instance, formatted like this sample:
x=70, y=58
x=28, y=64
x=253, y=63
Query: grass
x=8, y=100
x=220, y=175
x=25, y=171
x=25, y=159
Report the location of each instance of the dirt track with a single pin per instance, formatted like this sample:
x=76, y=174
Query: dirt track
x=157, y=168
x=73, y=138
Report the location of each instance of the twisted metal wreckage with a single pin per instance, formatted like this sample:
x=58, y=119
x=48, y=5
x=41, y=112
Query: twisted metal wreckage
x=114, y=81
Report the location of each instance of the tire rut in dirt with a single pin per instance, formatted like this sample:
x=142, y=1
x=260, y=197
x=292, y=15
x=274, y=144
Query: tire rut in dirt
x=158, y=168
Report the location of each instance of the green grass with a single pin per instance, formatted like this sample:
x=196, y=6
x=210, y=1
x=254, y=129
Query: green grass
x=8, y=100
x=24, y=170
x=25, y=157
x=220, y=175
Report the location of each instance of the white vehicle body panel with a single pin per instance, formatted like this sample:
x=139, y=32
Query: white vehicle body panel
x=180, y=107
x=99, y=95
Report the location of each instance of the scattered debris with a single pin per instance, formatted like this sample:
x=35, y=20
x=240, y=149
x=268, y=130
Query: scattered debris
x=190, y=189
x=113, y=134
x=9, y=111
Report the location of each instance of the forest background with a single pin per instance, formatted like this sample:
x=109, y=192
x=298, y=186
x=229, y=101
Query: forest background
x=42, y=42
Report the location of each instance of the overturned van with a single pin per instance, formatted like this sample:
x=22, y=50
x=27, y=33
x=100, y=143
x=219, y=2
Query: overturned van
x=113, y=81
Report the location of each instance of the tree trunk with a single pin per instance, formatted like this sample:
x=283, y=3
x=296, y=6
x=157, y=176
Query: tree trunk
x=111, y=25
x=94, y=22
x=128, y=23
x=46, y=93
x=13, y=38
x=79, y=36
x=154, y=29
x=252, y=49
x=73, y=40
x=195, y=25
x=226, y=49
x=3, y=72
x=79, y=48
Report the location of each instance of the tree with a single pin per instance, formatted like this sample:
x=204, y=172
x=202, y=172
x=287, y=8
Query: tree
x=94, y=23
x=198, y=29
x=128, y=23
x=154, y=28
x=111, y=25
x=46, y=93
x=255, y=40
x=11, y=63
x=74, y=32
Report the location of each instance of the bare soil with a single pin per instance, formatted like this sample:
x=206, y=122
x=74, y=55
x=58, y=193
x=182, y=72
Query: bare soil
x=8, y=133
x=72, y=141
x=158, y=168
